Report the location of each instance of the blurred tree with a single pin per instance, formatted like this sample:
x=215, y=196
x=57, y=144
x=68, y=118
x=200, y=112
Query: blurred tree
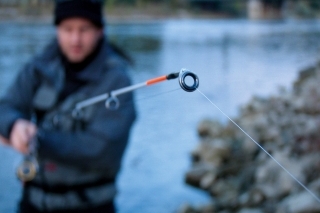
x=231, y=7
x=274, y=3
x=307, y=8
x=302, y=8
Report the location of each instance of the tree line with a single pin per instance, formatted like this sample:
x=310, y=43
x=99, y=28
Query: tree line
x=304, y=8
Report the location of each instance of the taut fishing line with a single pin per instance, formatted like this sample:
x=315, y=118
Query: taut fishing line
x=287, y=171
x=152, y=96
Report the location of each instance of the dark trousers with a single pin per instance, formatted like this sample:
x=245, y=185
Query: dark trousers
x=104, y=208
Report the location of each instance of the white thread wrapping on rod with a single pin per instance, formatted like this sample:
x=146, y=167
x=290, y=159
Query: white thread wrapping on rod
x=127, y=89
x=91, y=101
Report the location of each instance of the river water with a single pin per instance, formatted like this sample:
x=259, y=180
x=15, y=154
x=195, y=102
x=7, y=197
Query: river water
x=234, y=60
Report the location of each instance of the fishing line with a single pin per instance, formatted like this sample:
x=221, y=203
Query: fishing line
x=138, y=100
x=152, y=96
x=289, y=173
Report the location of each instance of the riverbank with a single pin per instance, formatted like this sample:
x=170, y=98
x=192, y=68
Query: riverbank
x=241, y=177
x=116, y=14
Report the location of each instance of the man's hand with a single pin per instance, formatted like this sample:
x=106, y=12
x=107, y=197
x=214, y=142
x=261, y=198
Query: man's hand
x=21, y=134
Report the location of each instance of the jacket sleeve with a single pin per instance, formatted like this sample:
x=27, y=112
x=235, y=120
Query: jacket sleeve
x=100, y=145
x=17, y=101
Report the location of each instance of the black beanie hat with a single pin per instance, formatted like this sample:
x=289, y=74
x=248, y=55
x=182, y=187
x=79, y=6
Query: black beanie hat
x=88, y=9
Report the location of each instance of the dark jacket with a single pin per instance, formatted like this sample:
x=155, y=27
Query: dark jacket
x=78, y=158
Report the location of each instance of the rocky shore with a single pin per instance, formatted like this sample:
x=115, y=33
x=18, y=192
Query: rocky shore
x=240, y=176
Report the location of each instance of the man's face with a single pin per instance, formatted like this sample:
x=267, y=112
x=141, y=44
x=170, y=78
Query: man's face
x=77, y=38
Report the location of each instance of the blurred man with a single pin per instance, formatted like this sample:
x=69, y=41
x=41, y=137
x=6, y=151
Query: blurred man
x=79, y=156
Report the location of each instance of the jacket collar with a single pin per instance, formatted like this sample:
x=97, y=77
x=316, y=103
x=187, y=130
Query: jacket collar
x=49, y=63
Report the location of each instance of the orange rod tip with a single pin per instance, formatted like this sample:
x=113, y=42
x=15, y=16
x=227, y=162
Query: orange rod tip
x=157, y=80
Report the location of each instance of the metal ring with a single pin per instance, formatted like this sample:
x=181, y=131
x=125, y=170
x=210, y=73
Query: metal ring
x=77, y=114
x=185, y=73
x=27, y=171
x=112, y=103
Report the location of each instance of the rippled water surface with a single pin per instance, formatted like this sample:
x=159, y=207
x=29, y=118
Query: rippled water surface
x=233, y=59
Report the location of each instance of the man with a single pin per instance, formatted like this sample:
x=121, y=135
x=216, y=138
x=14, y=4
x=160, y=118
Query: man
x=79, y=156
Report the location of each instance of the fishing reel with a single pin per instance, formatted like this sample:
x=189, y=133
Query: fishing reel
x=27, y=170
x=29, y=167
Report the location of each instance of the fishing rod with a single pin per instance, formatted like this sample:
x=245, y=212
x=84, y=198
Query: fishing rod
x=29, y=168
x=112, y=102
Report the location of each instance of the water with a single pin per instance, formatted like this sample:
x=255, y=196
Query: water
x=233, y=59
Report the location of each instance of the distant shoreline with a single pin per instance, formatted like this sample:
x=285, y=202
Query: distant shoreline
x=119, y=14
x=114, y=15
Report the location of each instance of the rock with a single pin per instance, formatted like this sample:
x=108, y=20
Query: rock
x=250, y=211
x=207, y=180
x=215, y=151
x=208, y=209
x=240, y=176
x=251, y=198
x=204, y=209
x=300, y=203
x=195, y=175
x=209, y=128
x=187, y=209
x=273, y=181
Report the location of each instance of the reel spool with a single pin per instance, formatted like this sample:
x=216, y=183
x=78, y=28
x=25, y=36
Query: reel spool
x=27, y=170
